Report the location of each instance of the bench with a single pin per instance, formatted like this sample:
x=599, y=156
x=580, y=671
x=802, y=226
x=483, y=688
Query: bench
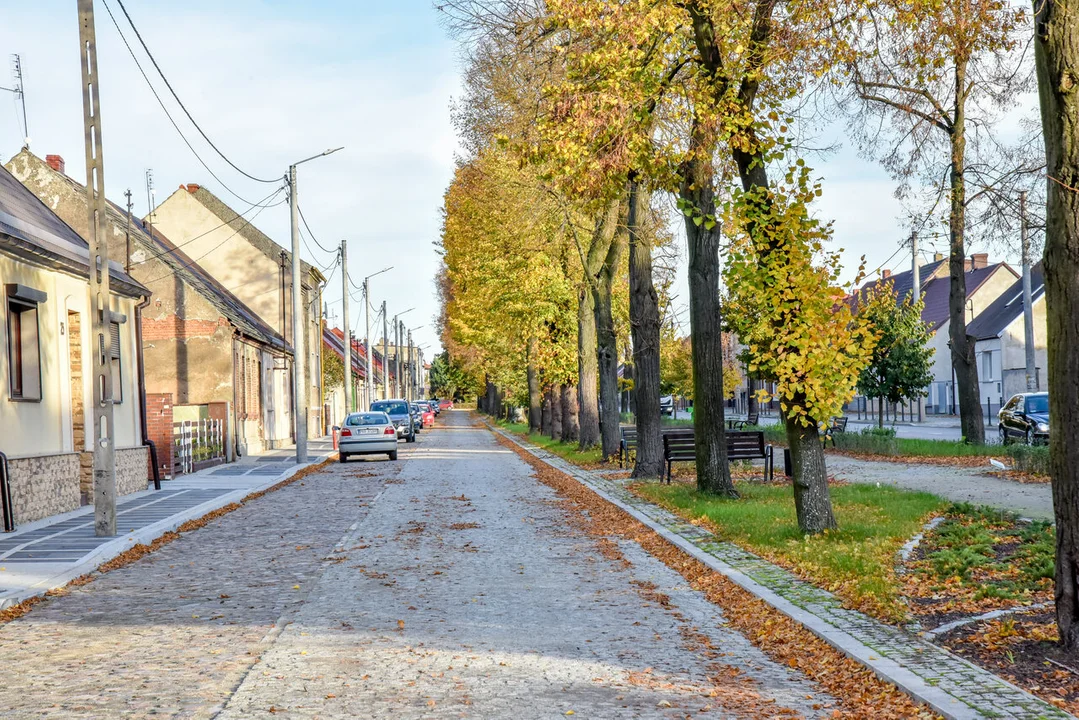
x=750, y=421
x=628, y=440
x=836, y=425
x=741, y=445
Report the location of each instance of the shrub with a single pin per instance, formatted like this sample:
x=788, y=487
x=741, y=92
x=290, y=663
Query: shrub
x=871, y=440
x=1031, y=459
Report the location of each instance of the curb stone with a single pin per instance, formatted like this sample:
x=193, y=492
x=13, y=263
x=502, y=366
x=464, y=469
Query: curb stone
x=950, y=685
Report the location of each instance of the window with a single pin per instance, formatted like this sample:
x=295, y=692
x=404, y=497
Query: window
x=24, y=355
x=114, y=362
x=987, y=366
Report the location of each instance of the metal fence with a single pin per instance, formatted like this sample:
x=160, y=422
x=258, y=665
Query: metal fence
x=197, y=444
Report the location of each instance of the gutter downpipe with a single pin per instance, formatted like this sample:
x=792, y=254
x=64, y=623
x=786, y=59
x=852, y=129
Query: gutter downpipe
x=146, y=441
x=5, y=495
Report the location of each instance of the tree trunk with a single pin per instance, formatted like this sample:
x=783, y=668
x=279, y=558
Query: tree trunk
x=556, y=412
x=587, y=370
x=571, y=428
x=545, y=413
x=812, y=501
x=963, y=360
x=706, y=339
x=752, y=405
x=491, y=404
x=607, y=345
x=1056, y=52
x=880, y=412
x=644, y=325
x=533, y=388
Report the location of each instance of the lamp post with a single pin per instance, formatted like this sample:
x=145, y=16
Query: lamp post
x=299, y=385
x=397, y=384
x=367, y=381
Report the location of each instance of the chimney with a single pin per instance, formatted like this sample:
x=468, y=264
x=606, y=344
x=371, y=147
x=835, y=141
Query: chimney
x=192, y=188
x=55, y=162
x=937, y=257
x=885, y=274
x=979, y=261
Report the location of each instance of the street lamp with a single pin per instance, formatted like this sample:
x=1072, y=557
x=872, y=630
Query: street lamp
x=367, y=389
x=397, y=384
x=299, y=386
x=411, y=392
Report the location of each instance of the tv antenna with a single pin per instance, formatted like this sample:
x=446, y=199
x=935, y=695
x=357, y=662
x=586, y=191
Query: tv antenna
x=20, y=94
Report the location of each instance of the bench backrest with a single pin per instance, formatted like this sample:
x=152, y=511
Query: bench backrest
x=840, y=423
x=753, y=419
x=629, y=434
x=741, y=445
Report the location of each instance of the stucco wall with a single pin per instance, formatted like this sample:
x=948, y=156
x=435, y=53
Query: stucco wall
x=44, y=486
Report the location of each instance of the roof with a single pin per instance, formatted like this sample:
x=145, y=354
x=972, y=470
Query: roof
x=935, y=281
x=1003, y=311
x=33, y=232
x=334, y=340
x=245, y=229
x=231, y=308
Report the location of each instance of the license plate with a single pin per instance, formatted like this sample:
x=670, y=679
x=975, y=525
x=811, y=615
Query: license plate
x=368, y=431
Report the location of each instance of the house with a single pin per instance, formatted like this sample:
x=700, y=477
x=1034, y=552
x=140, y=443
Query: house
x=46, y=340
x=334, y=345
x=207, y=353
x=985, y=283
x=257, y=270
x=1001, y=341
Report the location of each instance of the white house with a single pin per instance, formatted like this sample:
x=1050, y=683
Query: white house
x=45, y=341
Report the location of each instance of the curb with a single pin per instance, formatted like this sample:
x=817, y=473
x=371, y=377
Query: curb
x=886, y=669
x=143, y=536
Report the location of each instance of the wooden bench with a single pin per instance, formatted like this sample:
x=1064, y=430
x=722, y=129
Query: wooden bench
x=836, y=425
x=741, y=445
x=628, y=440
x=750, y=421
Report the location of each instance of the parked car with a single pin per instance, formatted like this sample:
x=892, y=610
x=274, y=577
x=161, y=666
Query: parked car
x=422, y=415
x=399, y=415
x=427, y=412
x=1025, y=416
x=367, y=433
x=445, y=404
x=666, y=405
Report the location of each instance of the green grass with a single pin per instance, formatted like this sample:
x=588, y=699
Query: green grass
x=856, y=561
x=568, y=451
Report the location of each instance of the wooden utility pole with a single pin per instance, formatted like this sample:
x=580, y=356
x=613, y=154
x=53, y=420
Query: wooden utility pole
x=101, y=316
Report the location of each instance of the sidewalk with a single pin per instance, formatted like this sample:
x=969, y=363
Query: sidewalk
x=950, y=685
x=49, y=553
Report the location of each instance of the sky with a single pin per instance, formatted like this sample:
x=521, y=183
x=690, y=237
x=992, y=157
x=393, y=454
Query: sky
x=272, y=82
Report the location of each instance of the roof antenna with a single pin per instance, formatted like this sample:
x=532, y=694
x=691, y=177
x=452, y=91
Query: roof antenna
x=150, y=199
x=20, y=95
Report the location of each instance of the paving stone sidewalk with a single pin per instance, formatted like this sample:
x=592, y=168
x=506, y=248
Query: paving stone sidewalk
x=949, y=684
x=49, y=553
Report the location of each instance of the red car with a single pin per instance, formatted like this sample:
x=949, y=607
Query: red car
x=427, y=415
x=445, y=404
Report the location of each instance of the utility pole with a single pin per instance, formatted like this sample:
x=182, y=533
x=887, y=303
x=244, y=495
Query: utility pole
x=1028, y=301
x=100, y=297
x=127, y=234
x=916, y=277
x=411, y=369
x=399, y=382
x=299, y=385
x=385, y=354
x=347, y=333
x=367, y=381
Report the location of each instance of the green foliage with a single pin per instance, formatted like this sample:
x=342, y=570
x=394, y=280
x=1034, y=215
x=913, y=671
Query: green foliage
x=449, y=380
x=333, y=369
x=900, y=366
x=1031, y=459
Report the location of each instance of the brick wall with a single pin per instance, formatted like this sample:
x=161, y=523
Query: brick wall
x=159, y=430
x=43, y=486
x=174, y=327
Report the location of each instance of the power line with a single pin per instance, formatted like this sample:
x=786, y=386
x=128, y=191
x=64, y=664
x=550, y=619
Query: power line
x=166, y=110
x=180, y=102
x=313, y=238
x=172, y=251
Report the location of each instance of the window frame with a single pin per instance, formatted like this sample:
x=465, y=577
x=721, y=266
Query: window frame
x=15, y=348
x=118, y=377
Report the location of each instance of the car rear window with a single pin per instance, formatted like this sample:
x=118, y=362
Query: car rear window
x=371, y=418
x=391, y=408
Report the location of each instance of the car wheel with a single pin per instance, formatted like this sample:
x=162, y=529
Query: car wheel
x=1030, y=436
x=393, y=455
x=342, y=456
x=411, y=438
x=1003, y=435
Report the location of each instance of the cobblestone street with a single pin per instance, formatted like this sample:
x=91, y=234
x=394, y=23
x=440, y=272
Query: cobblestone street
x=458, y=588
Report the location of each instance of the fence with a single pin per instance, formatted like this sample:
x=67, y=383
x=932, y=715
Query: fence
x=197, y=444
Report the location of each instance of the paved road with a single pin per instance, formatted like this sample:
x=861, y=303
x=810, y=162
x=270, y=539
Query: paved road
x=459, y=589
x=958, y=484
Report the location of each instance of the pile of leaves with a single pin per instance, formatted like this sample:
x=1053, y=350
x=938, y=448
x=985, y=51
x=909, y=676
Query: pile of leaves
x=977, y=560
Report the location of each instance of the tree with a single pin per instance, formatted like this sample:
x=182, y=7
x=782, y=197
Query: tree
x=1057, y=53
x=798, y=330
x=901, y=364
x=941, y=73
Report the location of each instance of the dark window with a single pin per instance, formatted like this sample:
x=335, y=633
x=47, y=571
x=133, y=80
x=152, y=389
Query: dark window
x=114, y=362
x=24, y=355
x=1038, y=404
x=372, y=418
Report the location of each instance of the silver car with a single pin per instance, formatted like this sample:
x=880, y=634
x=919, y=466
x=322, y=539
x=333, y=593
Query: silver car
x=367, y=433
